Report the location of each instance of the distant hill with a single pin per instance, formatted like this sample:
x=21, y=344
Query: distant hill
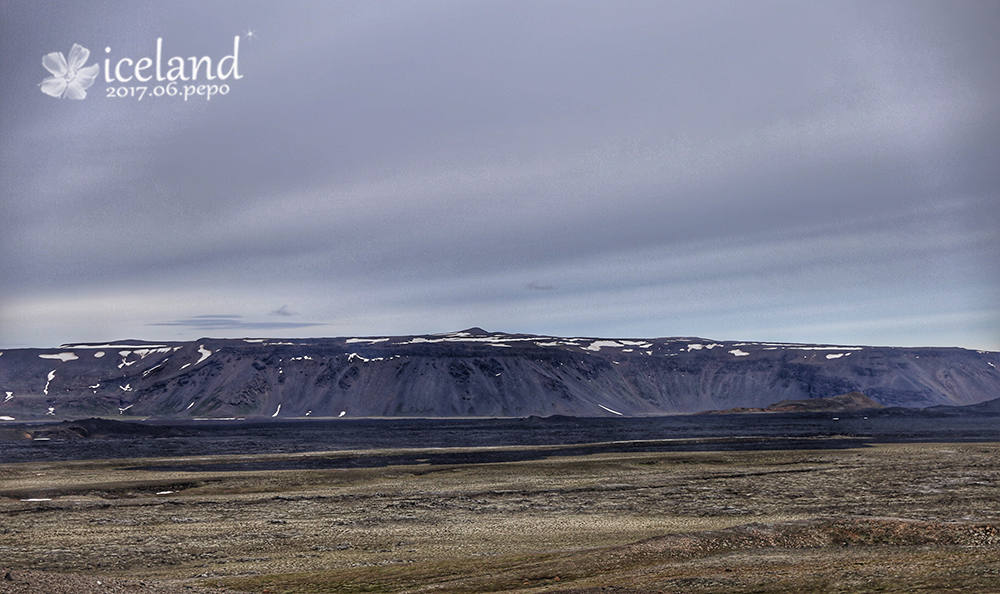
x=850, y=402
x=843, y=403
x=474, y=373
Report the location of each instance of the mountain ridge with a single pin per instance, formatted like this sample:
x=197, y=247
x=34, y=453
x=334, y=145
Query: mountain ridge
x=472, y=373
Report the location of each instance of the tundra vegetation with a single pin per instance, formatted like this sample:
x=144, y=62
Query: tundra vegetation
x=921, y=517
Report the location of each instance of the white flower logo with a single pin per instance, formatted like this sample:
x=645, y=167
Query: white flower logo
x=69, y=79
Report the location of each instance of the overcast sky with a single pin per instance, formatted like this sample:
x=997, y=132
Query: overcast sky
x=823, y=172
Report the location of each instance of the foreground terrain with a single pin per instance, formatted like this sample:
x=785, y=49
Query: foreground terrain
x=898, y=518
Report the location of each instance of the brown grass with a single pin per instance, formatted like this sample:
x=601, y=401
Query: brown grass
x=898, y=518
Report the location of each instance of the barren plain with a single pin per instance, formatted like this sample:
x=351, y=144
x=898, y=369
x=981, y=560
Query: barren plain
x=887, y=518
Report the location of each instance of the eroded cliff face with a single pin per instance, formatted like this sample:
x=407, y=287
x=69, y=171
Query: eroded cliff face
x=473, y=373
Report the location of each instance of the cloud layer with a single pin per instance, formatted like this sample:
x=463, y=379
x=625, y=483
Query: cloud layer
x=819, y=172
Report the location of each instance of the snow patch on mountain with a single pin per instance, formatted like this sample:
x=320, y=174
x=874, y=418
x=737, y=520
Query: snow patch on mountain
x=205, y=353
x=614, y=412
x=114, y=346
x=597, y=345
x=698, y=347
x=67, y=356
x=825, y=348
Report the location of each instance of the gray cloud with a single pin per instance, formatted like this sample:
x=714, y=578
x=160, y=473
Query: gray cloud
x=765, y=170
x=537, y=286
x=231, y=323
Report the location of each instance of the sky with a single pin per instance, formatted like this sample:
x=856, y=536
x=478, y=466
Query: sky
x=821, y=172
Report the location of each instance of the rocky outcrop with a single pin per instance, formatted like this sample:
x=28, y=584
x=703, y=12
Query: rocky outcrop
x=473, y=373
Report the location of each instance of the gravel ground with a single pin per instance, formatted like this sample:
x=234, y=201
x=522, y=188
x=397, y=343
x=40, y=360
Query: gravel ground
x=887, y=518
x=41, y=582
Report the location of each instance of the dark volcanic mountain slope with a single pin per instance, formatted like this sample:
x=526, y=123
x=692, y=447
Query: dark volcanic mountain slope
x=473, y=373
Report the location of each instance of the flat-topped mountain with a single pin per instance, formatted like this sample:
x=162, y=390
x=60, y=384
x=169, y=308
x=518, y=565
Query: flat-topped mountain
x=472, y=373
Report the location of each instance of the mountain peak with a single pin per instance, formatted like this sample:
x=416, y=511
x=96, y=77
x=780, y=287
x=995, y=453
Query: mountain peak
x=474, y=331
